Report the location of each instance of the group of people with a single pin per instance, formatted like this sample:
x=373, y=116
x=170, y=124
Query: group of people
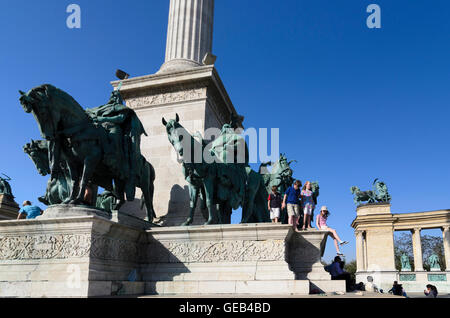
x=297, y=201
x=337, y=272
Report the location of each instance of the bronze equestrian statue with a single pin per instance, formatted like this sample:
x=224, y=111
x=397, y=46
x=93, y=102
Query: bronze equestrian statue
x=99, y=146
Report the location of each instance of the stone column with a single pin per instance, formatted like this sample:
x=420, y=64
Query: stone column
x=417, y=249
x=360, y=262
x=446, y=241
x=189, y=34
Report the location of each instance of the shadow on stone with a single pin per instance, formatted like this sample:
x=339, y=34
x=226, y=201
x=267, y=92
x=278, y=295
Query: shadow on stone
x=160, y=268
x=178, y=208
x=302, y=255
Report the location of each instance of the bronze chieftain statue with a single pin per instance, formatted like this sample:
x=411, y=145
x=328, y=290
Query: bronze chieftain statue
x=226, y=182
x=281, y=177
x=125, y=130
x=88, y=148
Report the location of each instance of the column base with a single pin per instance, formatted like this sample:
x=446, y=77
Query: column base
x=178, y=65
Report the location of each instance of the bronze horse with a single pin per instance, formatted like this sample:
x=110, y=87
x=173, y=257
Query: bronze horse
x=206, y=178
x=73, y=137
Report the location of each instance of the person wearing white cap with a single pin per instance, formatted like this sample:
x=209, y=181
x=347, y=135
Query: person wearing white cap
x=321, y=222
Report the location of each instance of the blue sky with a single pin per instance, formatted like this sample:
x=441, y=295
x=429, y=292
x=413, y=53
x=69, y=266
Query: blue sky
x=353, y=104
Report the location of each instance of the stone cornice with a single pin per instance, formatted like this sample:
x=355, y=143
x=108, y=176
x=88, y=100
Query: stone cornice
x=382, y=219
x=161, y=79
x=404, y=221
x=162, y=89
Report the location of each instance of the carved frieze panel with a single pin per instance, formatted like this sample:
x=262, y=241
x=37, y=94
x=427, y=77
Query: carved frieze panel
x=209, y=252
x=166, y=95
x=63, y=246
x=44, y=246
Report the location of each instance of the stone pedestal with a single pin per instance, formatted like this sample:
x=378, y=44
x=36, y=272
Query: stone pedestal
x=373, y=209
x=67, y=211
x=79, y=256
x=89, y=255
x=236, y=259
x=375, y=245
x=201, y=101
x=8, y=208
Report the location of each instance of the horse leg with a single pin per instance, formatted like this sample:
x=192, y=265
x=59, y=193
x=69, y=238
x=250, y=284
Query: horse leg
x=145, y=182
x=193, y=197
x=221, y=214
x=90, y=163
x=119, y=189
x=75, y=178
x=203, y=207
x=226, y=213
x=148, y=197
x=209, y=190
x=247, y=212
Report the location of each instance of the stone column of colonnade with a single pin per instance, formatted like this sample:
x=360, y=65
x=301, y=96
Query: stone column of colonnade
x=446, y=242
x=417, y=249
x=360, y=261
x=189, y=34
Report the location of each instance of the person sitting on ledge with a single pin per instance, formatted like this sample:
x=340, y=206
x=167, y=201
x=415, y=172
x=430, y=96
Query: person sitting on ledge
x=431, y=291
x=337, y=272
x=397, y=290
x=321, y=223
x=29, y=211
x=370, y=286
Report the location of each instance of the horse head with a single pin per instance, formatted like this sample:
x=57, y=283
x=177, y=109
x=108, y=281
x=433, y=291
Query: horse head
x=354, y=189
x=39, y=102
x=38, y=152
x=315, y=187
x=176, y=134
x=283, y=167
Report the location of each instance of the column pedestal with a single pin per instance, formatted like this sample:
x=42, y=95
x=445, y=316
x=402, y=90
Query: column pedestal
x=8, y=208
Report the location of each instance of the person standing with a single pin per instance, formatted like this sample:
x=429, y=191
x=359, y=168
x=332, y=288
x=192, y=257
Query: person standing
x=321, y=223
x=274, y=204
x=291, y=200
x=29, y=211
x=307, y=203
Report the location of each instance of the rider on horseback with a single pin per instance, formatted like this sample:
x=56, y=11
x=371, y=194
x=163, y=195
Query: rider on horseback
x=124, y=132
x=230, y=150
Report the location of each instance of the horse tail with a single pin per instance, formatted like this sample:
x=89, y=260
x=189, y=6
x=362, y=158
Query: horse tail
x=263, y=165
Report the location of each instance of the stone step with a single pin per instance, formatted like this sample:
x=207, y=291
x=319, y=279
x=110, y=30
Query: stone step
x=279, y=287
